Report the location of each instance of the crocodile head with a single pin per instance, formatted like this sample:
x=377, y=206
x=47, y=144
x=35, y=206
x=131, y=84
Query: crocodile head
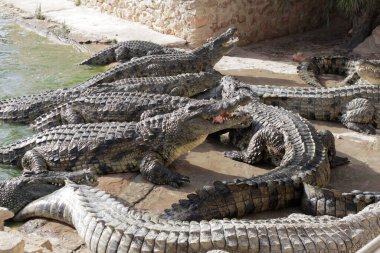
x=231, y=87
x=370, y=71
x=206, y=80
x=202, y=118
x=20, y=191
x=216, y=48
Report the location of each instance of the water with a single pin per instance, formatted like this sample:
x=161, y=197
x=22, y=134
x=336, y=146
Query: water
x=30, y=64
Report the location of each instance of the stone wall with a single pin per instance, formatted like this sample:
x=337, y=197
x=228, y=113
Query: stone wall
x=197, y=20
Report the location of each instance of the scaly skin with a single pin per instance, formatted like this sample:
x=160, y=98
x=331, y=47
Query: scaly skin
x=17, y=192
x=108, y=226
x=200, y=59
x=357, y=106
x=110, y=106
x=148, y=146
x=321, y=201
x=25, y=109
x=125, y=51
x=356, y=71
x=304, y=160
x=184, y=85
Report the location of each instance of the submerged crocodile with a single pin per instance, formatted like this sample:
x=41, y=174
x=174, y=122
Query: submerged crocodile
x=148, y=146
x=357, y=107
x=305, y=159
x=17, y=192
x=110, y=106
x=356, y=71
x=106, y=225
x=25, y=109
x=125, y=51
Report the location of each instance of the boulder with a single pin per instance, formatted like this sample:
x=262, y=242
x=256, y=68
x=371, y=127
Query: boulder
x=11, y=243
x=370, y=47
x=5, y=214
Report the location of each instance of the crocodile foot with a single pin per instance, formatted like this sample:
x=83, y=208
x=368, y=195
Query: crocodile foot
x=361, y=128
x=176, y=180
x=235, y=155
x=339, y=161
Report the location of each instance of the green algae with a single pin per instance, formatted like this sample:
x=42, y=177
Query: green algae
x=29, y=64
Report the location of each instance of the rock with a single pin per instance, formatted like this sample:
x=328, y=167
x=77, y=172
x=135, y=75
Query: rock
x=47, y=245
x=370, y=47
x=10, y=243
x=5, y=214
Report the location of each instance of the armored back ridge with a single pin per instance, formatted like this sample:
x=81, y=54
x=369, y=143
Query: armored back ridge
x=25, y=109
x=201, y=59
x=356, y=106
x=107, y=226
x=148, y=146
x=304, y=160
x=110, y=106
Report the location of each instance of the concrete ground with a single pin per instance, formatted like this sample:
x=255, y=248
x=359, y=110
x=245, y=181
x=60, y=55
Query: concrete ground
x=263, y=63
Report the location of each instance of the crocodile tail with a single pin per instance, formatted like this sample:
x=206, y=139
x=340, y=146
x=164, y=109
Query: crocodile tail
x=309, y=69
x=235, y=198
x=104, y=57
x=321, y=201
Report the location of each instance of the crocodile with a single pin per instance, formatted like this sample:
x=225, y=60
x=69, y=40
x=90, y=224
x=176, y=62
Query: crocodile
x=304, y=159
x=148, y=146
x=321, y=201
x=357, y=107
x=185, y=85
x=106, y=225
x=17, y=192
x=357, y=71
x=200, y=59
x=25, y=109
x=127, y=50
x=110, y=106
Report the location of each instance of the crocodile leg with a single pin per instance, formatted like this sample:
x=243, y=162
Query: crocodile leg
x=33, y=161
x=358, y=115
x=71, y=116
x=56, y=117
x=328, y=142
x=265, y=139
x=121, y=54
x=152, y=167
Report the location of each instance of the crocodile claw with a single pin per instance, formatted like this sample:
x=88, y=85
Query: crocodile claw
x=176, y=180
x=234, y=155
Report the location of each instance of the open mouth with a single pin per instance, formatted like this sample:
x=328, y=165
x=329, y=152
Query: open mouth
x=221, y=118
x=227, y=116
x=231, y=41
